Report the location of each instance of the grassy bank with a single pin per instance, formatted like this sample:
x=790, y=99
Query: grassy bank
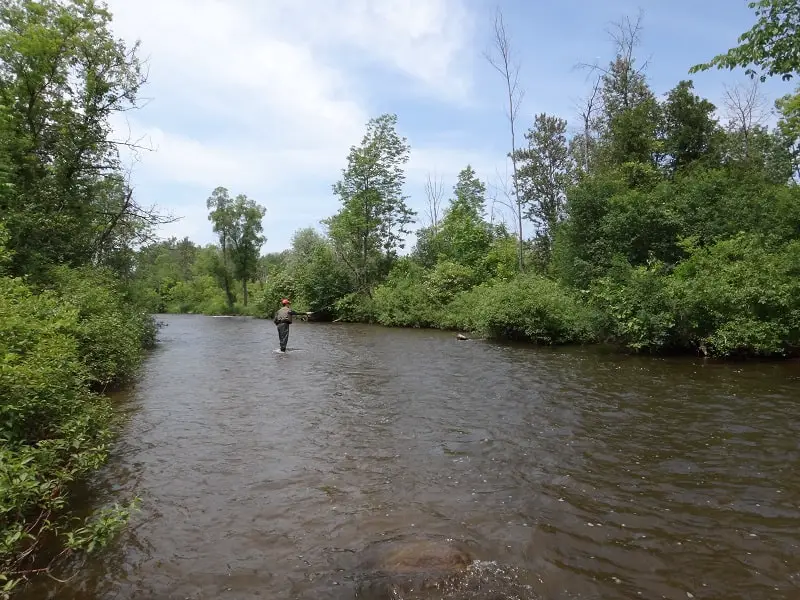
x=61, y=345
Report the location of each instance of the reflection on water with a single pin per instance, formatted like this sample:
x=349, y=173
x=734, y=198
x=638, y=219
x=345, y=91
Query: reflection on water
x=568, y=473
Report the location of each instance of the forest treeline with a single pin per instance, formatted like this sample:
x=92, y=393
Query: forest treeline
x=667, y=224
x=658, y=227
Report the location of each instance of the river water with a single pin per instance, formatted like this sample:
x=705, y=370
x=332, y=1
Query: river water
x=566, y=473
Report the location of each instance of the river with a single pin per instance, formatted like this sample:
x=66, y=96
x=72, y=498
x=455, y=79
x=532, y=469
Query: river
x=568, y=473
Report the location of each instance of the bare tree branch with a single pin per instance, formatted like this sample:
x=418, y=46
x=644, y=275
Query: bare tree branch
x=502, y=59
x=434, y=192
x=590, y=104
x=746, y=109
x=504, y=197
x=626, y=36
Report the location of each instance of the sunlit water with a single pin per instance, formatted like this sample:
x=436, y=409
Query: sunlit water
x=567, y=473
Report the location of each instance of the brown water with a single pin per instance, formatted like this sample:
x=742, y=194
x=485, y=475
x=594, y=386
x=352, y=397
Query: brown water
x=570, y=473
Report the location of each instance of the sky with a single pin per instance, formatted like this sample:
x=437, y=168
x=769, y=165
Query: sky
x=266, y=97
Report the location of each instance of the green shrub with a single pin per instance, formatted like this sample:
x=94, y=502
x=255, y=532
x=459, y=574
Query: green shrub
x=268, y=299
x=53, y=429
x=529, y=308
x=446, y=280
x=110, y=330
x=740, y=297
x=356, y=308
x=404, y=300
x=199, y=295
x=637, y=307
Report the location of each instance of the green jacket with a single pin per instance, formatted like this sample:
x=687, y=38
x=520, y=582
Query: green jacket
x=284, y=315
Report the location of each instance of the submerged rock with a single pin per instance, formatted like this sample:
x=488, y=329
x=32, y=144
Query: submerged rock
x=424, y=556
x=401, y=567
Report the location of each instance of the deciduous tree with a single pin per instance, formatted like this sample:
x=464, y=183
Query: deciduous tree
x=771, y=46
x=543, y=174
x=369, y=228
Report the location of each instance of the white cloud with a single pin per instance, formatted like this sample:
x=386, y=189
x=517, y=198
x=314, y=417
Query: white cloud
x=267, y=98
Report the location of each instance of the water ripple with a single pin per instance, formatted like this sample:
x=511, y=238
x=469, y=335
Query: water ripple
x=571, y=473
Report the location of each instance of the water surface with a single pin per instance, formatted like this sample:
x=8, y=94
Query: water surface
x=571, y=473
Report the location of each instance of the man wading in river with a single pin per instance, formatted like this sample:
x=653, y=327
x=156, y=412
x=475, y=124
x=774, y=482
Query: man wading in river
x=283, y=318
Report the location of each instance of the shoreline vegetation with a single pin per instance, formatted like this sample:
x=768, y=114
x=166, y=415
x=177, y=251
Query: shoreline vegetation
x=660, y=227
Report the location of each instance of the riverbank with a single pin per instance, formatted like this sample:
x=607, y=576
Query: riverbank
x=708, y=306
x=649, y=311
x=62, y=345
x=599, y=475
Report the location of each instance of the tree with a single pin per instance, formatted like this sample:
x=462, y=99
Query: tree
x=63, y=76
x=367, y=231
x=319, y=278
x=690, y=131
x=746, y=112
x=503, y=61
x=426, y=249
x=772, y=45
x=465, y=234
x=623, y=83
x=237, y=222
x=246, y=240
x=221, y=214
x=434, y=192
x=629, y=117
x=544, y=173
x=583, y=147
x=789, y=126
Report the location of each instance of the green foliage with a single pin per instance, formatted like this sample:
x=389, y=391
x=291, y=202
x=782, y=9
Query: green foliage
x=464, y=236
x=404, y=300
x=789, y=127
x=110, y=331
x=636, y=245
x=691, y=133
x=501, y=259
x=637, y=308
x=772, y=44
x=528, y=308
x=237, y=222
x=54, y=345
x=280, y=285
x=356, y=308
x=447, y=279
x=5, y=253
x=200, y=295
x=367, y=231
x=741, y=296
x=320, y=279
x=63, y=77
x=543, y=174
x=69, y=326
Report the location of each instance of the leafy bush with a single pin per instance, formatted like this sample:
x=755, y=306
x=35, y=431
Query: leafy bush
x=404, y=300
x=198, y=295
x=54, y=430
x=530, y=308
x=447, y=279
x=268, y=300
x=740, y=296
x=356, y=308
x=111, y=331
x=637, y=307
